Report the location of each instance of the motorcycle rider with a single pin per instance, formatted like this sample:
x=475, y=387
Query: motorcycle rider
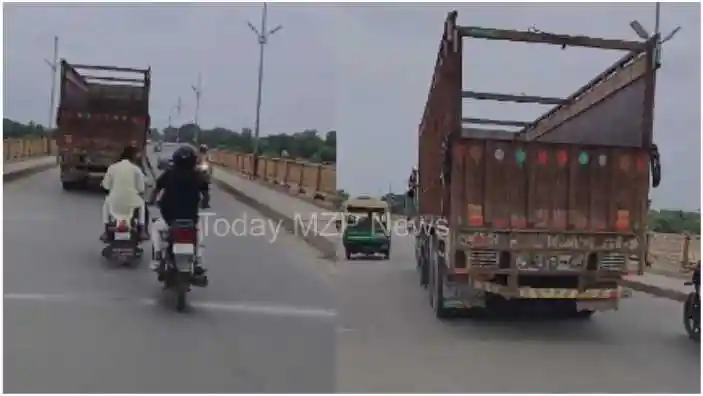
x=124, y=181
x=202, y=153
x=183, y=188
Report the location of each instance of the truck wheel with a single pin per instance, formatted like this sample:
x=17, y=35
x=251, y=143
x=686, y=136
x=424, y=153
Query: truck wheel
x=68, y=185
x=436, y=286
x=583, y=314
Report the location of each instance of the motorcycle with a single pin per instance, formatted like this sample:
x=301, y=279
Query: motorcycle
x=692, y=308
x=122, y=238
x=205, y=168
x=177, y=270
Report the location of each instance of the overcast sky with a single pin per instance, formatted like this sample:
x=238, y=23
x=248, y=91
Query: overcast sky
x=363, y=70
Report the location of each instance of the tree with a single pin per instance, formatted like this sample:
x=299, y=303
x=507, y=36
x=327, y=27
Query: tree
x=306, y=145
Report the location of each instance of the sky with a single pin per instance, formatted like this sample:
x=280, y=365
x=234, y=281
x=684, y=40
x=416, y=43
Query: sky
x=362, y=70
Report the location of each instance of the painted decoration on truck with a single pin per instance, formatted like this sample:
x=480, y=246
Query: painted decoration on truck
x=499, y=154
x=602, y=160
x=583, y=158
x=542, y=157
x=641, y=161
x=562, y=157
x=520, y=157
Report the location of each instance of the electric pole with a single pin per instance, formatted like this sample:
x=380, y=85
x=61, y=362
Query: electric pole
x=262, y=34
x=53, y=65
x=198, y=90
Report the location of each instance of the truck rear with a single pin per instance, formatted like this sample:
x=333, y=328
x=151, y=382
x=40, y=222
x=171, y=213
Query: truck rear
x=98, y=115
x=548, y=214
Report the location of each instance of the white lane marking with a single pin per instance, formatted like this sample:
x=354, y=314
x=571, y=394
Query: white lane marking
x=241, y=307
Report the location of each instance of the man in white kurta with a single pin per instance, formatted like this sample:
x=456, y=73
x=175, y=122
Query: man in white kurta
x=125, y=182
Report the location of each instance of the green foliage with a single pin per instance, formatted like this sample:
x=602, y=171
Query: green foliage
x=675, y=221
x=307, y=144
x=14, y=130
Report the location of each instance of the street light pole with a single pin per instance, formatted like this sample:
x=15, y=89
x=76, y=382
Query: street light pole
x=262, y=35
x=176, y=107
x=645, y=35
x=198, y=90
x=53, y=65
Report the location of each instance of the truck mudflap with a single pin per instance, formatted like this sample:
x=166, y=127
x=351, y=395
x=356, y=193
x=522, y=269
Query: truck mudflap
x=552, y=293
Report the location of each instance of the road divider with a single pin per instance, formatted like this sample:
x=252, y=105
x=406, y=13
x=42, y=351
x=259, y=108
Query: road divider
x=301, y=218
x=15, y=150
x=311, y=182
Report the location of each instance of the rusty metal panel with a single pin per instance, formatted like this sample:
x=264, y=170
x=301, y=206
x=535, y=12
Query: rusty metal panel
x=548, y=186
x=612, y=112
x=441, y=118
x=90, y=131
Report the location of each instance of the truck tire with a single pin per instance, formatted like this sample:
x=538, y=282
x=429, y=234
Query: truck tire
x=584, y=315
x=435, y=284
x=69, y=185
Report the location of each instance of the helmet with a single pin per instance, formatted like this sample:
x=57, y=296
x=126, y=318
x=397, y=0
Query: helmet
x=203, y=148
x=185, y=157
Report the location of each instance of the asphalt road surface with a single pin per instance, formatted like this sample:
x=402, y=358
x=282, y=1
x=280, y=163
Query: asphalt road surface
x=389, y=341
x=73, y=324
x=267, y=322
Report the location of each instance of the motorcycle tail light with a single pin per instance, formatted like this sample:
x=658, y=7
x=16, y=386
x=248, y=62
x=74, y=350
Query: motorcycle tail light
x=184, y=235
x=122, y=226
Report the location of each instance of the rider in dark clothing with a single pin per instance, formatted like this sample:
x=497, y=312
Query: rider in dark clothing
x=183, y=188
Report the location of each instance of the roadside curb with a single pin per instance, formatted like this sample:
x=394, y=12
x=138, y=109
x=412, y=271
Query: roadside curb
x=325, y=246
x=656, y=291
x=14, y=175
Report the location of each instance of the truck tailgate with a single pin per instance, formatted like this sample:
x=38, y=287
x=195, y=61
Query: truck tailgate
x=507, y=184
x=102, y=136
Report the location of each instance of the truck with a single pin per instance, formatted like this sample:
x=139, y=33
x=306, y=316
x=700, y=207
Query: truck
x=97, y=116
x=546, y=215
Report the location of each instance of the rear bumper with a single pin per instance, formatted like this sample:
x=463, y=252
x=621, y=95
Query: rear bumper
x=364, y=246
x=527, y=293
x=71, y=172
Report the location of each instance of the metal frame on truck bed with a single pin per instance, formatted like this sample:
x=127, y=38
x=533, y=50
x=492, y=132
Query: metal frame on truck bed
x=98, y=115
x=550, y=213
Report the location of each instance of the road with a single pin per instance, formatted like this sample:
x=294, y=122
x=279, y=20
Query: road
x=73, y=324
x=267, y=324
x=389, y=341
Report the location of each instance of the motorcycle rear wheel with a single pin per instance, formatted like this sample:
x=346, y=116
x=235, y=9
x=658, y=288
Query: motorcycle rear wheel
x=691, y=317
x=181, y=301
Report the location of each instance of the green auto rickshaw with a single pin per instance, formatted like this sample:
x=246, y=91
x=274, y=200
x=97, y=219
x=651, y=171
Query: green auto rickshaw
x=367, y=227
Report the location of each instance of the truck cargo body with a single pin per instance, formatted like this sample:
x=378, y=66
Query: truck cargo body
x=550, y=213
x=97, y=117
